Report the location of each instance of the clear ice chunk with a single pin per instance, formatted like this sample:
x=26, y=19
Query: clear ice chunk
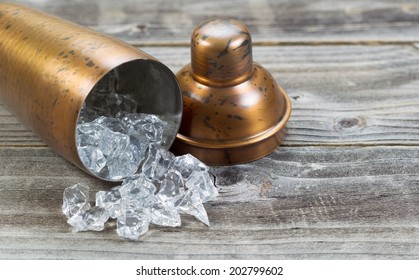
x=110, y=200
x=92, y=158
x=89, y=134
x=203, y=184
x=165, y=214
x=75, y=199
x=133, y=222
x=191, y=203
x=146, y=125
x=141, y=146
x=139, y=189
x=92, y=219
x=125, y=164
x=186, y=164
x=171, y=187
x=113, y=124
x=112, y=144
x=157, y=162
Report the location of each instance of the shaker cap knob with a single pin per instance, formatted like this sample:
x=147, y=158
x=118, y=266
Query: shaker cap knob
x=221, y=52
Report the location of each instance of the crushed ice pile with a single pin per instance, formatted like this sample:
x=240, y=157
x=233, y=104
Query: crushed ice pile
x=157, y=186
x=142, y=200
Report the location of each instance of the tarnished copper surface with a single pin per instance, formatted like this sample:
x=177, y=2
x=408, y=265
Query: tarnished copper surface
x=233, y=109
x=48, y=66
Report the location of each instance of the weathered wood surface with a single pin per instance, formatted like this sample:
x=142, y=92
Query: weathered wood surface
x=270, y=21
x=300, y=202
x=345, y=183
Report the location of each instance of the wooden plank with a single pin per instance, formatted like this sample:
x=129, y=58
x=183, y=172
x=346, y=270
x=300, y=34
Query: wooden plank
x=341, y=95
x=299, y=202
x=272, y=21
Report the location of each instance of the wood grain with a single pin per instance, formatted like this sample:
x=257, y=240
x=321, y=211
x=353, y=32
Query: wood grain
x=300, y=202
x=341, y=95
x=270, y=21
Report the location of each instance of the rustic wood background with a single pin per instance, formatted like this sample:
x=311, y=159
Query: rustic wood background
x=344, y=184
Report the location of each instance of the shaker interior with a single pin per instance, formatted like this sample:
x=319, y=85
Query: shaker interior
x=153, y=87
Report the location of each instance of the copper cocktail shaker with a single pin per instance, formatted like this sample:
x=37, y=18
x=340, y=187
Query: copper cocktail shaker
x=48, y=66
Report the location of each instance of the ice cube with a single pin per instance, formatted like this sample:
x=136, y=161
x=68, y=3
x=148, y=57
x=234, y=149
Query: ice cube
x=140, y=189
x=89, y=134
x=92, y=219
x=125, y=164
x=112, y=144
x=157, y=162
x=202, y=182
x=186, y=164
x=110, y=200
x=171, y=187
x=191, y=203
x=113, y=124
x=92, y=158
x=146, y=125
x=133, y=222
x=75, y=199
x=165, y=214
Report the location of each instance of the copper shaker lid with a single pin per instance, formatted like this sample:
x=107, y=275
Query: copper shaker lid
x=233, y=109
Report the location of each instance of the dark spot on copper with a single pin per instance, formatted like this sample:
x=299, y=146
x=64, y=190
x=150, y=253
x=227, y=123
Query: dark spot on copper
x=208, y=98
x=184, y=73
x=204, y=37
x=90, y=64
x=55, y=102
x=72, y=52
x=229, y=116
x=222, y=101
x=24, y=38
x=8, y=26
x=220, y=67
x=207, y=123
x=229, y=127
x=213, y=64
x=244, y=43
x=265, y=78
x=260, y=89
x=97, y=67
x=248, y=52
x=266, y=89
x=225, y=51
x=66, y=38
x=295, y=97
x=66, y=56
x=216, y=113
x=237, y=117
x=86, y=58
x=61, y=53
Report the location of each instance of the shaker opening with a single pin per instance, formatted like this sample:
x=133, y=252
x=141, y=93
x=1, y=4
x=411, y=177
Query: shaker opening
x=143, y=91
